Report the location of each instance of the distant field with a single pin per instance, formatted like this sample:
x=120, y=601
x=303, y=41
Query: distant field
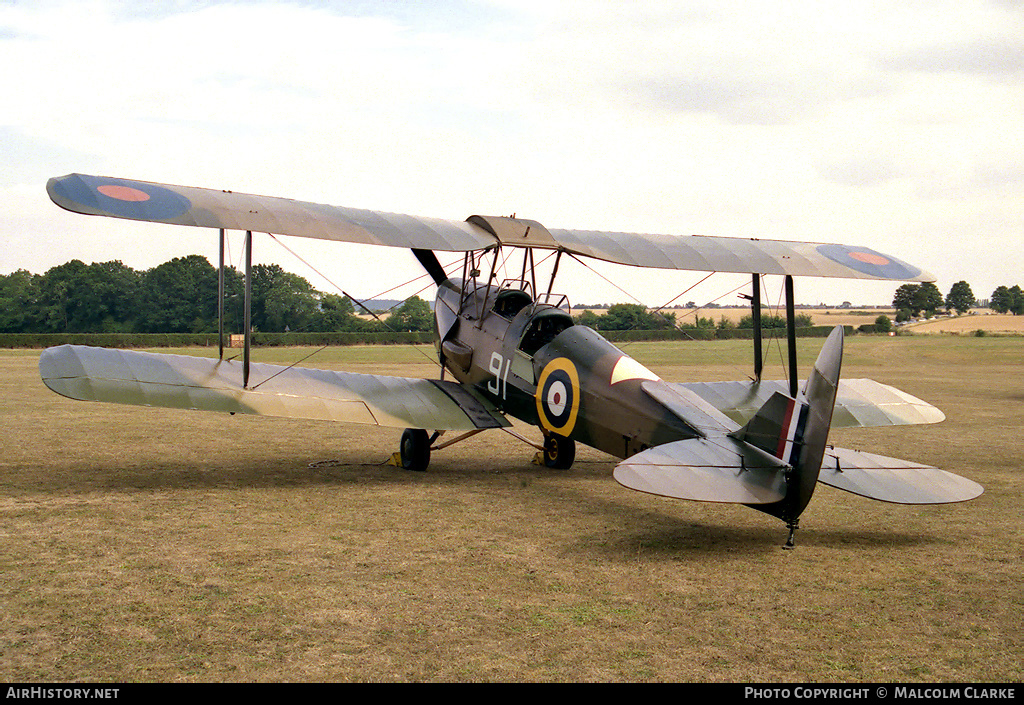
x=820, y=317
x=153, y=545
x=991, y=323
x=979, y=319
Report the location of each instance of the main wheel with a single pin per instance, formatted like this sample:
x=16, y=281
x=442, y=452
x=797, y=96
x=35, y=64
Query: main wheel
x=559, y=452
x=415, y=449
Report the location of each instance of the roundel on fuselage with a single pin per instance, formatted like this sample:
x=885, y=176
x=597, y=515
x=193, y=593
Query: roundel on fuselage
x=558, y=396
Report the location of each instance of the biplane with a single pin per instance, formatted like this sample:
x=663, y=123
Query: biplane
x=507, y=348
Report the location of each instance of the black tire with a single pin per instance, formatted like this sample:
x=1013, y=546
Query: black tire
x=415, y=449
x=559, y=452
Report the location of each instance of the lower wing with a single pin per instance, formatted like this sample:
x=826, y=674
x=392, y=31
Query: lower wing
x=185, y=382
x=859, y=402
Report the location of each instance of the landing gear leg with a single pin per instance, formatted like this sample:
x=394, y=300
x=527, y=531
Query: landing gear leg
x=415, y=449
x=792, y=525
x=559, y=452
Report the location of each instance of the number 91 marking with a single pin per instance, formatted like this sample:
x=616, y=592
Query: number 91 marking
x=499, y=368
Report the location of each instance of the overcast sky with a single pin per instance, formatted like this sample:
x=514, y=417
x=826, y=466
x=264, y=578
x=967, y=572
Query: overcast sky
x=894, y=125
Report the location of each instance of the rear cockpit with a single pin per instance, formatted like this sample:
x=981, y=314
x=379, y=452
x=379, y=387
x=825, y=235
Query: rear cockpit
x=538, y=320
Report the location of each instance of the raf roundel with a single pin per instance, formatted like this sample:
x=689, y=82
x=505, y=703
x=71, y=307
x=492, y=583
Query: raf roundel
x=122, y=198
x=867, y=261
x=558, y=398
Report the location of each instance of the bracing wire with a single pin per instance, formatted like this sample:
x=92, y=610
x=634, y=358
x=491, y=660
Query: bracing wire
x=356, y=301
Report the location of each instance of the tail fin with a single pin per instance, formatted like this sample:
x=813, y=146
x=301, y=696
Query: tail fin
x=796, y=430
x=777, y=427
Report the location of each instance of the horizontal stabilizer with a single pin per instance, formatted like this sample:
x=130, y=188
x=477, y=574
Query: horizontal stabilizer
x=893, y=480
x=186, y=382
x=859, y=402
x=707, y=470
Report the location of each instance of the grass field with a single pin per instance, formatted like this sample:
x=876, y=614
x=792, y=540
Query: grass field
x=153, y=545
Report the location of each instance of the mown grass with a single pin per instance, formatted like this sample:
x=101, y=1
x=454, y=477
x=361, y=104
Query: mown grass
x=153, y=545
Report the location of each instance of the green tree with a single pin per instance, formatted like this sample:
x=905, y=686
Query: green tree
x=1001, y=300
x=624, y=317
x=335, y=314
x=19, y=302
x=413, y=315
x=180, y=296
x=588, y=318
x=928, y=298
x=635, y=317
x=78, y=298
x=769, y=321
x=281, y=300
x=960, y=298
x=1016, y=300
x=906, y=298
x=883, y=324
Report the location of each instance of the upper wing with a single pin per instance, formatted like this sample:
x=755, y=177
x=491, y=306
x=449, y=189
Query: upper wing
x=733, y=254
x=186, y=205
x=184, y=382
x=859, y=402
x=209, y=208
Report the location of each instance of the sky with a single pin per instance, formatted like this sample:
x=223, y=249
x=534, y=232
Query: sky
x=896, y=126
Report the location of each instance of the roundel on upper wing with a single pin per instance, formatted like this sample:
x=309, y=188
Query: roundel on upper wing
x=558, y=396
x=128, y=199
x=867, y=261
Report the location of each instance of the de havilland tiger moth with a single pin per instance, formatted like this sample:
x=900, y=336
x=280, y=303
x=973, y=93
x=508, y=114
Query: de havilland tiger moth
x=512, y=350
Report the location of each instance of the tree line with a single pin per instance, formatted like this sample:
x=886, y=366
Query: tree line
x=180, y=296
x=912, y=300
x=637, y=317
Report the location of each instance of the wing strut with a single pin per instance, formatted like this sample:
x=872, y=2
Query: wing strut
x=755, y=311
x=220, y=297
x=791, y=335
x=248, y=308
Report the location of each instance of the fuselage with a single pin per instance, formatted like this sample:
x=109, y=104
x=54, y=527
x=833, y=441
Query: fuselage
x=530, y=360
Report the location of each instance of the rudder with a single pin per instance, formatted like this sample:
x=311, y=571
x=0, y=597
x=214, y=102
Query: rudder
x=796, y=430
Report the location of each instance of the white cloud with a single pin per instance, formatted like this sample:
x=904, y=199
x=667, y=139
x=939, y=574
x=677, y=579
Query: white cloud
x=893, y=126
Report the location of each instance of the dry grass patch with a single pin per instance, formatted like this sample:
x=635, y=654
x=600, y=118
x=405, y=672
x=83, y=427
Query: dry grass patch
x=959, y=325
x=153, y=545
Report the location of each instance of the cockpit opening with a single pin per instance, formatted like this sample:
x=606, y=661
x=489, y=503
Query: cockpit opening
x=509, y=302
x=547, y=324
